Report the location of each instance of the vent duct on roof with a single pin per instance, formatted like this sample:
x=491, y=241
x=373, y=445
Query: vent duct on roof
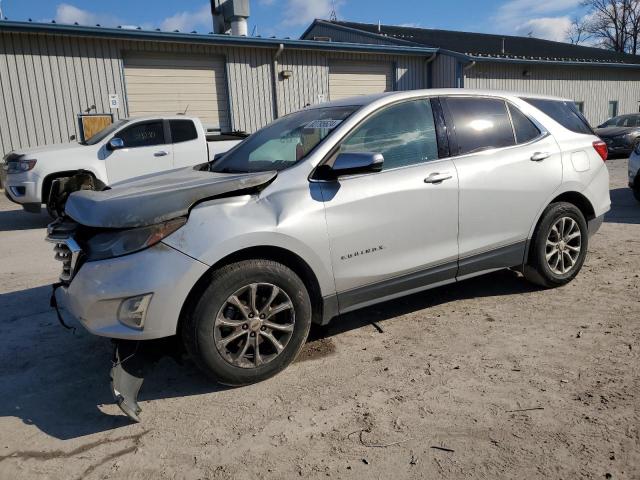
x=230, y=16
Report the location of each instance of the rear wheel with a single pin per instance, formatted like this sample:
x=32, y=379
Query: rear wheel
x=559, y=246
x=250, y=323
x=636, y=190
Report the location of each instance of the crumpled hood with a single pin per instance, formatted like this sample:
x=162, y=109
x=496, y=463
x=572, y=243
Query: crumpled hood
x=156, y=198
x=609, y=132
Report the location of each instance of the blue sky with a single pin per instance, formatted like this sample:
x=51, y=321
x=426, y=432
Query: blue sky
x=541, y=18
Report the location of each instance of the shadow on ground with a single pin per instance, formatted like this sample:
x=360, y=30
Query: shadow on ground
x=17, y=219
x=56, y=380
x=624, y=207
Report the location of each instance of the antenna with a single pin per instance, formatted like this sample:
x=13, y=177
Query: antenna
x=333, y=16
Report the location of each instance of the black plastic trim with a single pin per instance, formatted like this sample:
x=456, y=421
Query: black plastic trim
x=503, y=257
x=397, y=285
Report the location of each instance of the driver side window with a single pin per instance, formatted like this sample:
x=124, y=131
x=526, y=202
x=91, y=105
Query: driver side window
x=405, y=134
x=145, y=134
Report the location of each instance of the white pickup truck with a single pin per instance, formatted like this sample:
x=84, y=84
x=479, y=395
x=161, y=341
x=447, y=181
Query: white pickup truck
x=126, y=149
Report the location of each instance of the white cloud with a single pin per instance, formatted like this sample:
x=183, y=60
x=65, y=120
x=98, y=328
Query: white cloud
x=66, y=13
x=550, y=28
x=187, y=21
x=303, y=12
x=536, y=17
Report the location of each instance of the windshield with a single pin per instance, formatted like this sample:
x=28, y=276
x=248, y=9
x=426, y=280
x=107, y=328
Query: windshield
x=623, y=121
x=104, y=133
x=283, y=143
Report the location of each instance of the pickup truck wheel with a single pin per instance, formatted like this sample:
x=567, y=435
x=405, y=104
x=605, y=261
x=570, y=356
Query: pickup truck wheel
x=559, y=246
x=250, y=323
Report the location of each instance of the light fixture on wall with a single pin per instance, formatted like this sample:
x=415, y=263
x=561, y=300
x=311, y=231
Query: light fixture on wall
x=286, y=74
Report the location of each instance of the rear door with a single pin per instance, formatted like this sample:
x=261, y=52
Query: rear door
x=146, y=150
x=508, y=167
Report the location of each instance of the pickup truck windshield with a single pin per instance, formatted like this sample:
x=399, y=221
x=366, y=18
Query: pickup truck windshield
x=283, y=143
x=105, y=132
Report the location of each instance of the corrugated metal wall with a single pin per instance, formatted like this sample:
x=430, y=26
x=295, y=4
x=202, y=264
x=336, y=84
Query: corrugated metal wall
x=444, y=72
x=594, y=86
x=46, y=80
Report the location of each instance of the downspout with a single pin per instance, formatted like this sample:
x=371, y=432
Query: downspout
x=468, y=66
x=274, y=66
x=428, y=61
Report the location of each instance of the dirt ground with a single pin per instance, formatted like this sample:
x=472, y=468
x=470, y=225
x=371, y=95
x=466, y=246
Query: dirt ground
x=490, y=378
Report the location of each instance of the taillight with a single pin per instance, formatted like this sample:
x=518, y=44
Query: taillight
x=601, y=147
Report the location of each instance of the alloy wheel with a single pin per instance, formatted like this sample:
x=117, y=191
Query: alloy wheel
x=254, y=325
x=564, y=244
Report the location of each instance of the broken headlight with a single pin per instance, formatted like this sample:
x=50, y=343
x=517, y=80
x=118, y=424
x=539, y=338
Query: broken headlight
x=123, y=242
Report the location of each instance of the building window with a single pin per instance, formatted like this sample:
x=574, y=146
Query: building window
x=613, y=108
x=580, y=107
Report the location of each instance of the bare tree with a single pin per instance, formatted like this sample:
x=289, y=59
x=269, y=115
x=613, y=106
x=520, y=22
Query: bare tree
x=614, y=24
x=634, y=25
x=578, y=32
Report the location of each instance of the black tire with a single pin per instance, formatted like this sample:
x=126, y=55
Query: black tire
x=538, y=270
x=198, y=327
x=636, y=190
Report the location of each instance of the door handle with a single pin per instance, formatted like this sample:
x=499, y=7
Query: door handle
x=161, y=153
x=540, y=156
x=438, y=177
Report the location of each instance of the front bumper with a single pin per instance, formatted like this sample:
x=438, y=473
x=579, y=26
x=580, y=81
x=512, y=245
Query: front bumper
x=23, y=188
x=98, y=289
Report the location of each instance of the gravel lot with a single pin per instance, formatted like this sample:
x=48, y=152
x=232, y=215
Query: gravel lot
x=491, y=378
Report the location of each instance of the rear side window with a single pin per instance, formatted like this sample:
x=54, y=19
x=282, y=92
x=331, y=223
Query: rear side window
x=565, y=113
x=480, y=124
x=183, y=131
x=143, y=135
x=524, y=128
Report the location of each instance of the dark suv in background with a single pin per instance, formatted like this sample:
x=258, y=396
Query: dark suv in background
x=621, y=134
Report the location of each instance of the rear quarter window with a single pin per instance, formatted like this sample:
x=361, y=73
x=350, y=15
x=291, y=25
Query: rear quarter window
x=183, y=131
x=565, y=113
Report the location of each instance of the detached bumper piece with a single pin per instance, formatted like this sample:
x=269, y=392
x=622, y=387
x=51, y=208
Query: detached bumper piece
x=132, y=361
x=127, y=376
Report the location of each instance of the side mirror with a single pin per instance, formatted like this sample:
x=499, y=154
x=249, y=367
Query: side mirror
x=115, y=144
x=356, y=163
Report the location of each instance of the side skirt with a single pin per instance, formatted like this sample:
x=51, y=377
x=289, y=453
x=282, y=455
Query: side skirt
x=487, y=262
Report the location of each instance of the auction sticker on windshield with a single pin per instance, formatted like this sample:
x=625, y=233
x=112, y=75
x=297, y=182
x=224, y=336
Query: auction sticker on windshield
x=318, y=124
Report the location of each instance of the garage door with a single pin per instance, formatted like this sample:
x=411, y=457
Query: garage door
x=347, y=79
x=167, y=84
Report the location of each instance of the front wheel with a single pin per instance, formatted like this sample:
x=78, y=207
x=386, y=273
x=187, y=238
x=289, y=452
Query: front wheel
x=636, y=190
x=250, y=323
x=559, y=246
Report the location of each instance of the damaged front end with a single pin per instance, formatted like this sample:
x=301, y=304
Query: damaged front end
x=111, y=224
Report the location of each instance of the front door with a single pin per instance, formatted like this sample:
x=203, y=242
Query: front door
x=396, y=230
x=145, y=151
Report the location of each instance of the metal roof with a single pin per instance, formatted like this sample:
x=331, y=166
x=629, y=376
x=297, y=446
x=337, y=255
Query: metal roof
x=211, y=38
x=488, y=47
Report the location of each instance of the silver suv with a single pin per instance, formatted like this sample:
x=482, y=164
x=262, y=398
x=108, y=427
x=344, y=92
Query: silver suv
x=328, y=210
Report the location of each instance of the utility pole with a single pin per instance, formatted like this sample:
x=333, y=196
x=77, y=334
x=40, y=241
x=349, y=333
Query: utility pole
x=1, y=12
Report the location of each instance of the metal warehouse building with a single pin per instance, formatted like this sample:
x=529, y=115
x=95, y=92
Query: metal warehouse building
x=602, y=83
x=50, y=73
